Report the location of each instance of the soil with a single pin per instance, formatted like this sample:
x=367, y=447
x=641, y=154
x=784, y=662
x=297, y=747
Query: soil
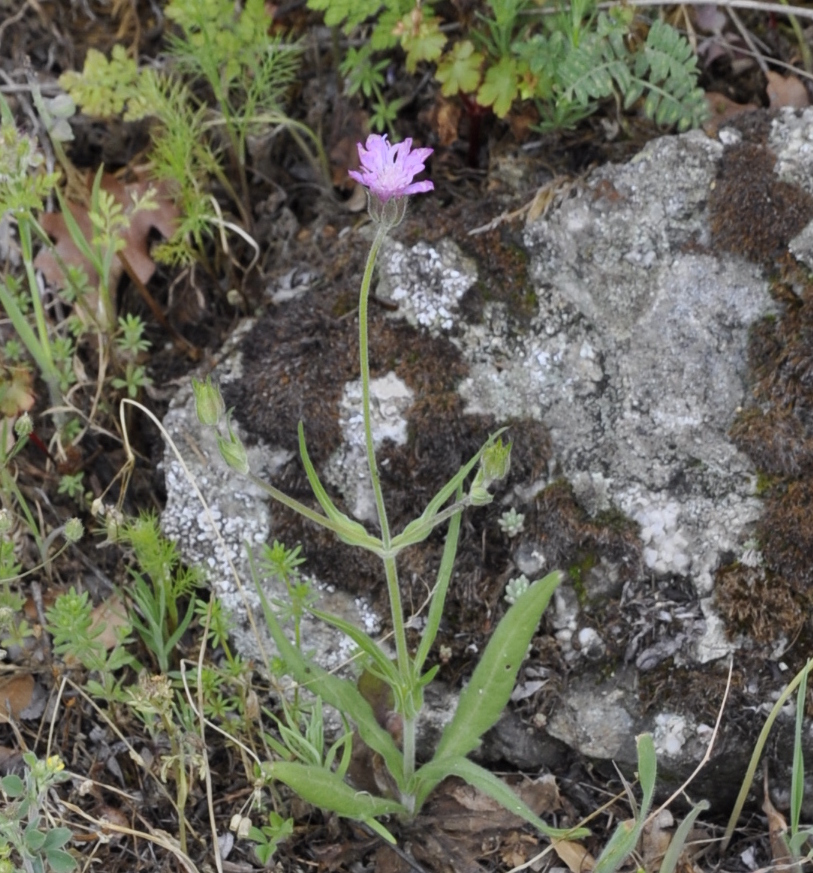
x=492, y=169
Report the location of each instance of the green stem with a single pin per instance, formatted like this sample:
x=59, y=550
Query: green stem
x=396, y=608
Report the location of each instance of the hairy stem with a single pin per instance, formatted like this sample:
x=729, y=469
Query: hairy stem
x=396, y=608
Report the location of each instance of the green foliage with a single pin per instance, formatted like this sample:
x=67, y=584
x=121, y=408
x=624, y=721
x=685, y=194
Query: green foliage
x=71, y=484
x=161, y=580
x=76, y=635
x=248, y=73
x=346, y=13
x=565, y=63
x=130, y=343
x=27, y=835
x=625, y=838
x=107, y=88
x=460, y=69
x=268, y=837
x=665, y=69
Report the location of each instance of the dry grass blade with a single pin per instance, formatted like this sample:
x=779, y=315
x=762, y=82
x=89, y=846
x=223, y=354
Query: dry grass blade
x=755, y=5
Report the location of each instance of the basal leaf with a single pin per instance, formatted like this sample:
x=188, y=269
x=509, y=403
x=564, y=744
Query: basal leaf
x=459, y=70
x=485, y=697
x=500, y=87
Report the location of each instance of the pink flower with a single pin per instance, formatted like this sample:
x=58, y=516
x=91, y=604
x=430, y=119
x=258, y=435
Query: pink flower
x=388, y=170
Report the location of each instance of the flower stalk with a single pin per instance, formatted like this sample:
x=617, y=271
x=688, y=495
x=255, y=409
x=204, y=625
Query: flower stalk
x=388, y=172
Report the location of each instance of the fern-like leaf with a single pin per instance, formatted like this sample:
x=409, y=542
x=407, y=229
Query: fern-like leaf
x=593, y=69
x=345, y=13
x=670, y=67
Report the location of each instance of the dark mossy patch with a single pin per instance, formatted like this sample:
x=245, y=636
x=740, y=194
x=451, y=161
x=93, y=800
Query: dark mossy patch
x=775, y=440
x=786, y=533
x=296, y=361
x=752, y=212
x=502, y=263
x=757, y=603
x=699, y=691
x=570, y=537
x=777, y=434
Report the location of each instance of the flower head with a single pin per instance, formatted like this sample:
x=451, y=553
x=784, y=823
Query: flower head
x=388, y=170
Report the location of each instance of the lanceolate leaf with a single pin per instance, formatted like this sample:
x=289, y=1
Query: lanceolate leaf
x=626, y=835
x=327, y=790
x=494, y=787
x=485, y=697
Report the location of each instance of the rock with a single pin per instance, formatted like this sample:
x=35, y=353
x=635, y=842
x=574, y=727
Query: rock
x=216, y=515
x=616, y=347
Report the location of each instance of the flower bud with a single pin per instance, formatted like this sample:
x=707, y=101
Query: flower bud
x=23, y=427
x=232, y=450
x=74, y=530
x=496, y=462
x=209, y=404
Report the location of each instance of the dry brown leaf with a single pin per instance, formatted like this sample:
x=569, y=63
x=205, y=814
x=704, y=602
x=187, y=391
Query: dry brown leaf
x=444, y=118
x=17, y=692
x=723, y=110
x=9, y=759
x=577, y=858
x=343, y=148
x=518, y=848
x=786, y=91
x=655, y=839
x=16, y=393
x=164, y=219
x=112, y=615
x=777, y=828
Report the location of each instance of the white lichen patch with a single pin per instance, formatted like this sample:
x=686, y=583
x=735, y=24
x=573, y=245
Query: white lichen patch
x=671, y=733
x=347, y=469
x=791, y=139
x=426, y=282
x=238, y=519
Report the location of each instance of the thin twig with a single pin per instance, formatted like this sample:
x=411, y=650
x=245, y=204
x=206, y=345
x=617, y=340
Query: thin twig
x=707, y=754
x=755, y=5
x=763, y=65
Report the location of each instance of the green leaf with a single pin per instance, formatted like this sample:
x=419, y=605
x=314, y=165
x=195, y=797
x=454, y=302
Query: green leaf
x=626, y=835
x=34, y=838
x=341, y=694
x=104, y=87
x=329, y=791
x=423, y=42
x=12, y=785
x=797, y=783
x=500, y=87
x=60, y=861
x=56, y=838
x=485, y=697
x=352, y=527
x=677, y=844
x=366, y=643
x=459, y=70
x=485, y=781
x=419, y=529
x=345, y=12
x=436, y=604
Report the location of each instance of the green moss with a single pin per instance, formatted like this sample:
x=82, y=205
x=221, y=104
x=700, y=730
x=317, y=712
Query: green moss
x=614, y=519
x=578, y=575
